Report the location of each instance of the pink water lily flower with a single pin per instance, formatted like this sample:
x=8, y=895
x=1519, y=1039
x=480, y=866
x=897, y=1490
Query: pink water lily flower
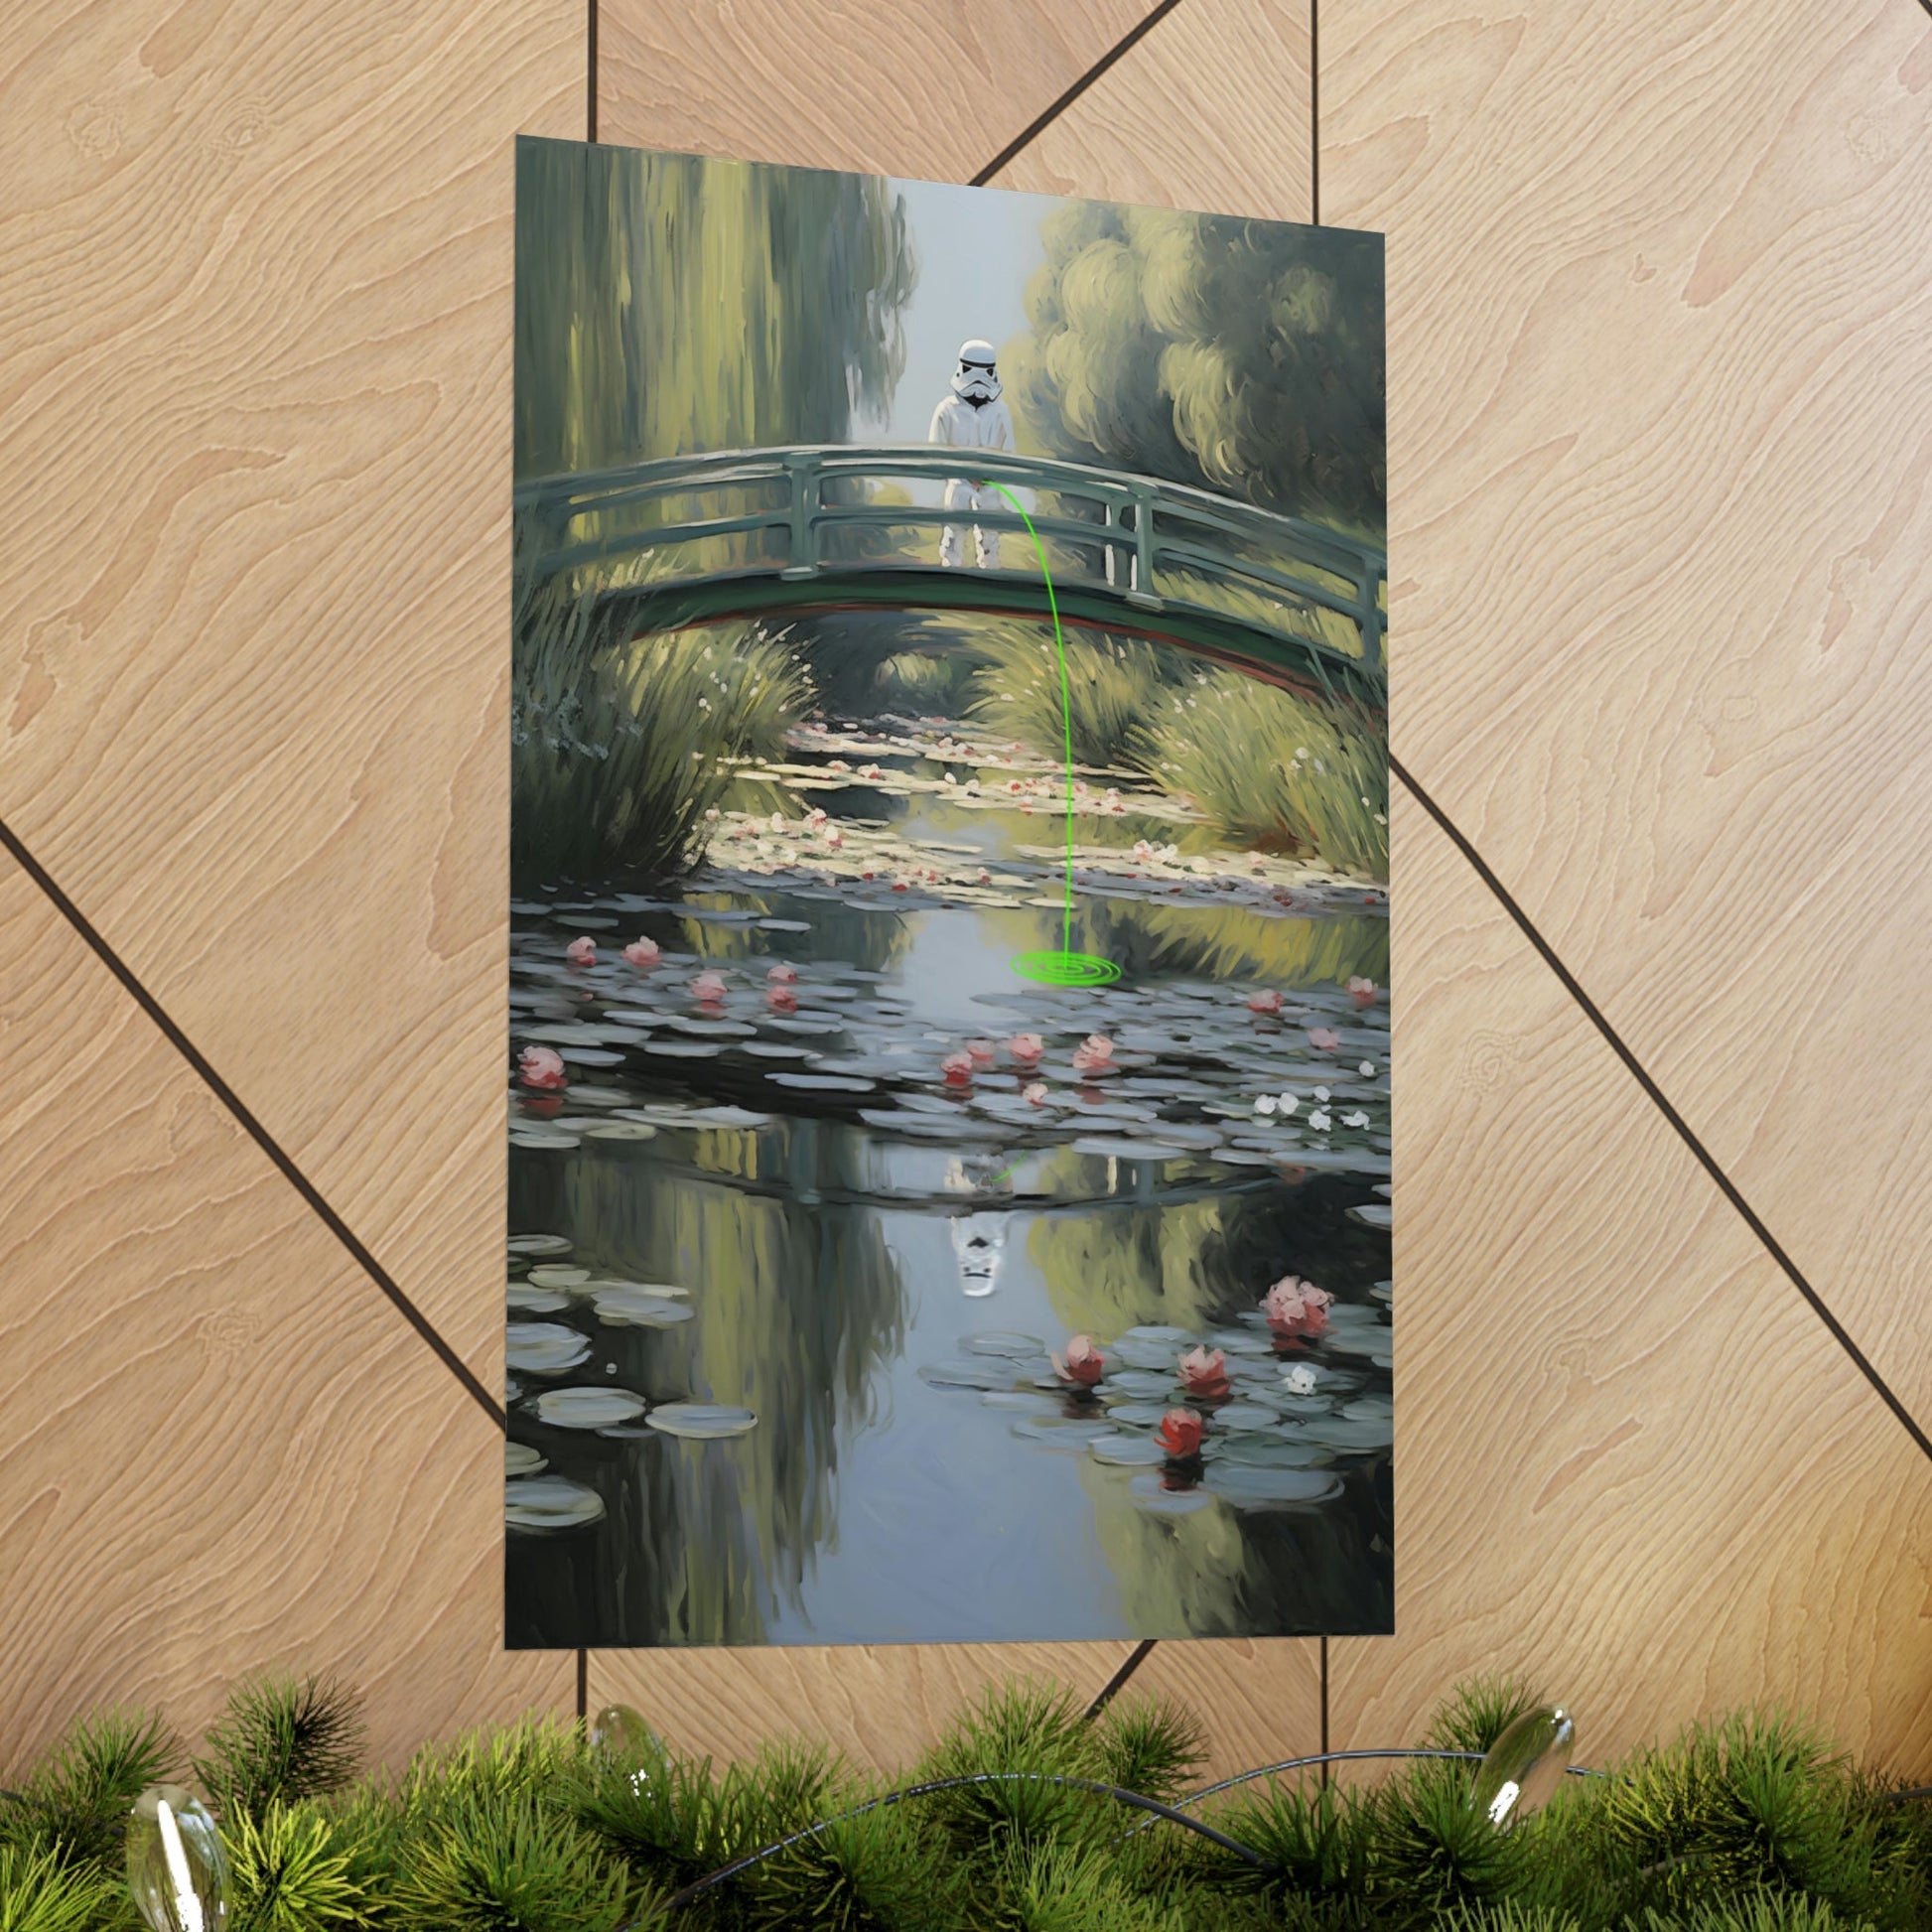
x=541, y=1067
x=643, y=952
x=1026, y=1049
x=1267, y=1000
x=1296, y=1308
x=831, y=834
x=708, y=989
x=1205, y=1372
x=1036, y=1094
x=581, y=952
x=1143, y=852
x=782, y=999
x=1082, y=1365
x=816, y=816
x=1180, y=1432
x=838, y=765
x=1362, y=992
x=782, y=973
x=958, y=1069
x=1325, y=1040
x=984, y=1052
x=1094, y=1054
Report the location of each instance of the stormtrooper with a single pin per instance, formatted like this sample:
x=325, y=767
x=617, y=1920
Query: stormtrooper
x=973, y=417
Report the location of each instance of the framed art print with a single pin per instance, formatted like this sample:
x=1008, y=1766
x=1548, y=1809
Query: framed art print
x=948, y=1077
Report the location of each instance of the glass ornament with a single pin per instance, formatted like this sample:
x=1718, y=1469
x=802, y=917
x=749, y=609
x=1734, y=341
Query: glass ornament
x=1524, y=1766
x=175, y=1866
x=623, y=1741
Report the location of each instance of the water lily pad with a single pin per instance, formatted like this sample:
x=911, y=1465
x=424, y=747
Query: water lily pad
x=520, y=1460
x=1249, y=1487
x=724, y=1117
x=1243, y=1415
x=632, y=1307
x=621, y=1130
x=1140, y=1382
x=683, y=1050
x=701, y=1421
x=967, y=1375
x=1025, y=1402
x=544, y=1347
x=823, y=1082
x=1373, y=1215
x=1003, y=1342
x=1062, y=1432
x=1144, y=1415
x=557, y=1273
x=1338, y=1431
x=550, y=1503
x=540, y=1244
x=524, y=1300
x=1125, y=1150
x=1253, y=1451
x=588, y=1408
x=1128, y=1452
x=1154, y=1331
x=538, y=1137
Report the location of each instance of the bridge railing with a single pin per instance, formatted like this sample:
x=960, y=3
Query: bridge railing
x=1155, y=545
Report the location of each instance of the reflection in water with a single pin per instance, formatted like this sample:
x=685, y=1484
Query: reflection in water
x=824, y=1189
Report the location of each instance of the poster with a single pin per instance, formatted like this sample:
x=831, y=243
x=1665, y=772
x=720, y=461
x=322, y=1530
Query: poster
x=948, y=1077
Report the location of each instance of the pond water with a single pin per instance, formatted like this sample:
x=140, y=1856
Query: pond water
x=812, y=1191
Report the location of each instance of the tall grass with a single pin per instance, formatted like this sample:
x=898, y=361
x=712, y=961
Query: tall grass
x=1113, y=686
x=616, y=753
x=1277, y=771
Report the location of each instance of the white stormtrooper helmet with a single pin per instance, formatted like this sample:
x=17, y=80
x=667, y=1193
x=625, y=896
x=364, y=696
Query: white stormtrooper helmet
x=976, y=381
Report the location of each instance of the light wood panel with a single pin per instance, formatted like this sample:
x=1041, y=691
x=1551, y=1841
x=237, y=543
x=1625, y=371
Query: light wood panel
x=931, y=89
x=1630, y=1464
x=1661, y=475
x=1211, y=110
x=884, y=1705
x=220, y=1450
x=255, y=355
x=881, y=1705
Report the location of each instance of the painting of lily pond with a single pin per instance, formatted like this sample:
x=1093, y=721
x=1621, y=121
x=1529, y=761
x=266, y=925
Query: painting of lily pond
x=948, y=1076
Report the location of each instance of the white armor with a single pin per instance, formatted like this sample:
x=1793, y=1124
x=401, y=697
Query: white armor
x=973, y=417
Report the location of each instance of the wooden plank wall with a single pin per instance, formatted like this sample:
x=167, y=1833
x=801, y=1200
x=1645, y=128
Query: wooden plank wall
x=1661, y=316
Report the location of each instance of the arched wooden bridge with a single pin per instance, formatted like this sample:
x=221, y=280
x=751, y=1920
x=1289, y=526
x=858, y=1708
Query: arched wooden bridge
x=801, y=530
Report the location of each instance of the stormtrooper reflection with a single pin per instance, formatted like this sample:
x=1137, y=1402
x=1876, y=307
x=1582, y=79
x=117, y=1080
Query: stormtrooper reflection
x=972, y=417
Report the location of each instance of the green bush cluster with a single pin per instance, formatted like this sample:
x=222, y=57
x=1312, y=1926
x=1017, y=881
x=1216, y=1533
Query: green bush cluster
x=1747, y=1826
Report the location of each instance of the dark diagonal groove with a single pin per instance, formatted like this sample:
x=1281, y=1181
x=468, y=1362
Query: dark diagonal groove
x=1118, y=1682
x=1661, y=1101
x=256, y=1131
x=590, y=74
x=1036, y=127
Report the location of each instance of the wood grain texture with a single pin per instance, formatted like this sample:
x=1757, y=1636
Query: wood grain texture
x=255, y=367
x=881, y=1705
x=220, y=1450
x=930, y=89
x=1631, y=1465
x=884, y=1705
x=1211, y=110
x=1661, y=475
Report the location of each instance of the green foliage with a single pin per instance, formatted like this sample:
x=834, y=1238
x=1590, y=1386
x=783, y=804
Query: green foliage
x=627, y=264
x=1113, y=687
x=511, y=1865
x=1748, y=1826
x=281, y=1740
x=287, y=1871
x=75, y=1800
x=1276, y=770
x=40, y=1891
x=616, y=754
x=1478, y=1711
x=1243, y=356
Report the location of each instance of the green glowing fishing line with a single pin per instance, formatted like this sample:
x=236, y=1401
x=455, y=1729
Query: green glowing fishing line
x=1064, y=967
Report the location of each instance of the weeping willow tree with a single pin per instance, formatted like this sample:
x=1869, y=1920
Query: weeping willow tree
x=1244, y=357
x=673, y=304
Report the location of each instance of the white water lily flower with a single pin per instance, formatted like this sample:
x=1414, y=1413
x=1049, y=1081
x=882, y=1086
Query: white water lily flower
x=1265, y=1103
x=1299, y=1379
x=1318, y=1121
x=1367, y=1070
x=1356, y=1119
x=1321, y=1093
x=1288, y=1102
